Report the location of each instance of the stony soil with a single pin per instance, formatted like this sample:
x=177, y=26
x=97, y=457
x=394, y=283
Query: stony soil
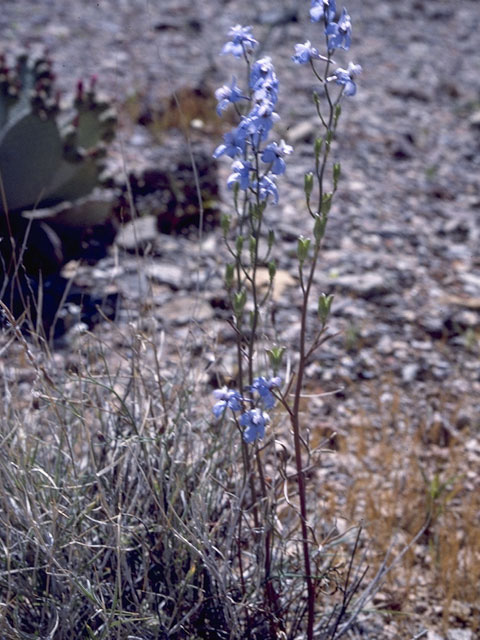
x=403, y=248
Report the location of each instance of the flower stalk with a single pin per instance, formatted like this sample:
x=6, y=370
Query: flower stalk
x=257, y=164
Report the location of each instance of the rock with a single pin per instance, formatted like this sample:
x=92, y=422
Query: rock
x=471, y=282
x=410, y=372
x=184, y=309
x=409, y=90
x=364, y=285
x=474, y=120
x=385, y=345
x=463, y=420
x=137, y=234
x=434, y=326
x=461, y=610
x=460, y=634
x=437, y=431
x=165, y=273
x=282, y=280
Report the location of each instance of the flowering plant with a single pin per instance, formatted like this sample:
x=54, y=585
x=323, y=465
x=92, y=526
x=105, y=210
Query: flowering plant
x=257, y=164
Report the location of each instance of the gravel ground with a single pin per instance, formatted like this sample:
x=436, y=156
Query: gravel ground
x=402, y=253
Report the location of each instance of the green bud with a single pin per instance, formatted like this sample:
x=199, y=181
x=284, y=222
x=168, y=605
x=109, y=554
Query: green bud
x=338, y=111
x=229, y=274
x=308, y=184
x=302, y=248
x=252, y=246
x=239, y=244
x=319, y=227
x=239, y=300
x=328, y=139
x=225, y=223
x=236, y=191
x=272, y=269
x=324, y=305
x=275, y=355
x=326, y=203
x=336, y=175
x=271, y=238
x=317, y=147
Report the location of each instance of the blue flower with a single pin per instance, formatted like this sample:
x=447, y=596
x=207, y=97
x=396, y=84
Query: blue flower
x=241, y=41
x=345, y=77
x=234, y=142
x=339, y=33
x=264, y=389
x=260, y=120
x=230, y=146
x=266, y=187
x=264, y=82
x=275, y=153
x=322, y=9
x=227, y=95
x=263, y=72
x=240, y=174
x=227, y=399
x=255, y=421
x=305, y=52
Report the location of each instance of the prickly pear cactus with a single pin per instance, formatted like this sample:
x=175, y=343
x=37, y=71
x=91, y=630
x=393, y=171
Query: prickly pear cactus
x=48, y=156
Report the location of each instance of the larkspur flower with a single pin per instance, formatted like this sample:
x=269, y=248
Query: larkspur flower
x=264, y=82
x=260, y=120
x=264, y=388
x=305, y=52
x=274, y=153
x=240, y=174
x=345, y=77
x=266, y=187
x=339, y=33
x=322, y=9
x=255, y=421
x=241, y=41
x=227, y=95
x=232, y=145
x=226, y=399
x=263, y=72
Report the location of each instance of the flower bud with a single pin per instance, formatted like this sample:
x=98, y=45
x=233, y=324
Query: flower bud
x=236, y=190
x=317, y=147
x=229, y=274
x=324, y=305
x=302, y=248
x=338, y=111
x=326, y=203
x=275, y=355
x=328, y=139
x=319, y=228
x=336, y=175
x=271, y=238
x=239, y=301
x=225, y=224
x=308, y=184
x=272, y=269
x=239, y=244
x=252, y=246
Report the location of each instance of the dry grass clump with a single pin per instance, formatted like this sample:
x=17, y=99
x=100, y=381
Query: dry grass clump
x=104, y=500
